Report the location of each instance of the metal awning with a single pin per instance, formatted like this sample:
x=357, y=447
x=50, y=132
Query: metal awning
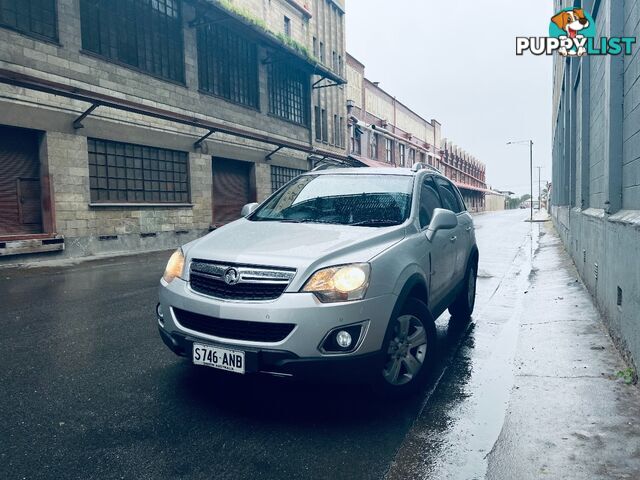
x=370, y=163
x=95, y=100
x=465, y=186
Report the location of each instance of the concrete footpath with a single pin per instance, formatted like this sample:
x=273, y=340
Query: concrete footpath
x=533, y=390
x=570, y=414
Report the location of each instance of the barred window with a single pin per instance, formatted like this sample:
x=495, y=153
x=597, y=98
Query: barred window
x=388, y=148
x=280, y=176
x=145, y=34
x=228, y=64
x=289, y=92
x=325, y=126
x=33, y=17
x=127, y=173
x=318, y=122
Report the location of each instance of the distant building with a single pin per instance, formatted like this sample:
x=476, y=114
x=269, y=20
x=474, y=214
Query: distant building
x=385, y=132
x=595, y=201
x=132, y=125
x=495, y=201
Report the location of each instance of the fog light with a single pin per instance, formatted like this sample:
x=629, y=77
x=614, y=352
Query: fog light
x=159, y=312
x=343, y=339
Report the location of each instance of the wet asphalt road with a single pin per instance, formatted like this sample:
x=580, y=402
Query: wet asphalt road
x=90, y=391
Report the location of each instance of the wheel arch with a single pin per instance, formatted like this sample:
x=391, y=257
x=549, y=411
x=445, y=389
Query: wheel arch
x=414, y=287
x=474, y=257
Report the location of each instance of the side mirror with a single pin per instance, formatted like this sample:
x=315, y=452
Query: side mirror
x=248, y=209
x=442, y=220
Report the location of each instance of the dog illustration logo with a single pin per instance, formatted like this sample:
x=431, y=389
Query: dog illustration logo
x=575, y=25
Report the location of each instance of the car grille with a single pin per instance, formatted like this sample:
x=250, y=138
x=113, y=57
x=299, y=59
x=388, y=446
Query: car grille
x=234, y=329
x=250, y=283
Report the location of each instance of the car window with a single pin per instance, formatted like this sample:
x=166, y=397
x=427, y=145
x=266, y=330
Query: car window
x=448, y=195
x=460, y=199
x=429, y=201
x=342, y=199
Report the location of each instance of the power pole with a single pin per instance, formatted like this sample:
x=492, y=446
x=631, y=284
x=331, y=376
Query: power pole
x=530, y=142
x=531, y=175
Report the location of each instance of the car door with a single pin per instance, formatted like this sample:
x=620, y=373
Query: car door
x=459, y=236
x=440, y=260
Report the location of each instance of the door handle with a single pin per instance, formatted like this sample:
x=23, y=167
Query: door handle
x=453, y=239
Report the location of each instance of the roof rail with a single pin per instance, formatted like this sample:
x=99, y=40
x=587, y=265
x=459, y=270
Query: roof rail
x=424, y=166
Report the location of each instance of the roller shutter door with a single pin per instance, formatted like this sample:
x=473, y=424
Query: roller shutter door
x=231, y=189
x=20, y=192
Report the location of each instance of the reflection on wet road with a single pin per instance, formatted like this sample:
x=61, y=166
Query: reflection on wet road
x=89, y=391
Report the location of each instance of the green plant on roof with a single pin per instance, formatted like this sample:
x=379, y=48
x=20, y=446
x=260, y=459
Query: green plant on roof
x=258, y=22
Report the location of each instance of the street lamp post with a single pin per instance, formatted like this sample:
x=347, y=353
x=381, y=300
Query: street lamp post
x=530, y=142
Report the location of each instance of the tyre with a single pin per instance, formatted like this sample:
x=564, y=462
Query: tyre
x=409, y=349
x=462, y=307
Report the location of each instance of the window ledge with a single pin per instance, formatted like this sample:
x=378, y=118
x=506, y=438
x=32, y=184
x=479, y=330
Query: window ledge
x=141, y=205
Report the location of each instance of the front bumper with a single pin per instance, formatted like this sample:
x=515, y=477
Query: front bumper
x=281, y=363
x=300, y=350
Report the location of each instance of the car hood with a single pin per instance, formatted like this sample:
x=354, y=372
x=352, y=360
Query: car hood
x=304, y=246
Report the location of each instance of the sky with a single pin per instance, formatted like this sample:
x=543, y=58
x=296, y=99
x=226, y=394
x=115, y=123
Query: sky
x=455, y=61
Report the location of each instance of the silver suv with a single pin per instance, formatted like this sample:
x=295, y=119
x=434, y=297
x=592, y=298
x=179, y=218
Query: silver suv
x=339, y=273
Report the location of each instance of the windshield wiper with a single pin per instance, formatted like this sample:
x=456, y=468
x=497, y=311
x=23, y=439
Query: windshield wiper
x=375, y=223
x=308, y=220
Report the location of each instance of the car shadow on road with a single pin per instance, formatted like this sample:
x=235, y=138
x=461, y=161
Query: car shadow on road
x=262, y=398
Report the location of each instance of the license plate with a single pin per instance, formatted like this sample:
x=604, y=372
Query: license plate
x=216, y=357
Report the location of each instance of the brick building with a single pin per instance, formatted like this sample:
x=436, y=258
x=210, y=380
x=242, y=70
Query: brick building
x=384, y=132
x=138, y=124
x=595, y=200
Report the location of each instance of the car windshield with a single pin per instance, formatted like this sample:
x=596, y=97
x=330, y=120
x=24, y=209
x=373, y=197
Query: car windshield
x=363, y=200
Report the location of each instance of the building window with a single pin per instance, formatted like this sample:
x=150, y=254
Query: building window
x=341, y=132
x=287, y=26
x=412, y=157
x=388, y=147
x=336, y=130
x=280, y=176
x=145, y=34
x=315, y=47
x=33, y=17
x=228, y=65
x=126, y=173
x=325, y=126
x=403, y=155
x=318, y=122
x=289, y=93
x=340, y=64
x=335, y=60
x=356, y=140
x=321, y=52
x=373, y=146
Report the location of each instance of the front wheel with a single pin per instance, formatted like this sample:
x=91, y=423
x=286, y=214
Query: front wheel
x=408, y=350
x=463, y=305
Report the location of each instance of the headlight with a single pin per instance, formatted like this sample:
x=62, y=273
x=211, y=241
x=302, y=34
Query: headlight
x=339, y=284
x=175, y=266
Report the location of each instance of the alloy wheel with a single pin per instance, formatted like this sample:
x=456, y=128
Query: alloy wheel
x=407, y=351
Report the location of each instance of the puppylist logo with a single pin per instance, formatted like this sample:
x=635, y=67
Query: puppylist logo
x=572, y=33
